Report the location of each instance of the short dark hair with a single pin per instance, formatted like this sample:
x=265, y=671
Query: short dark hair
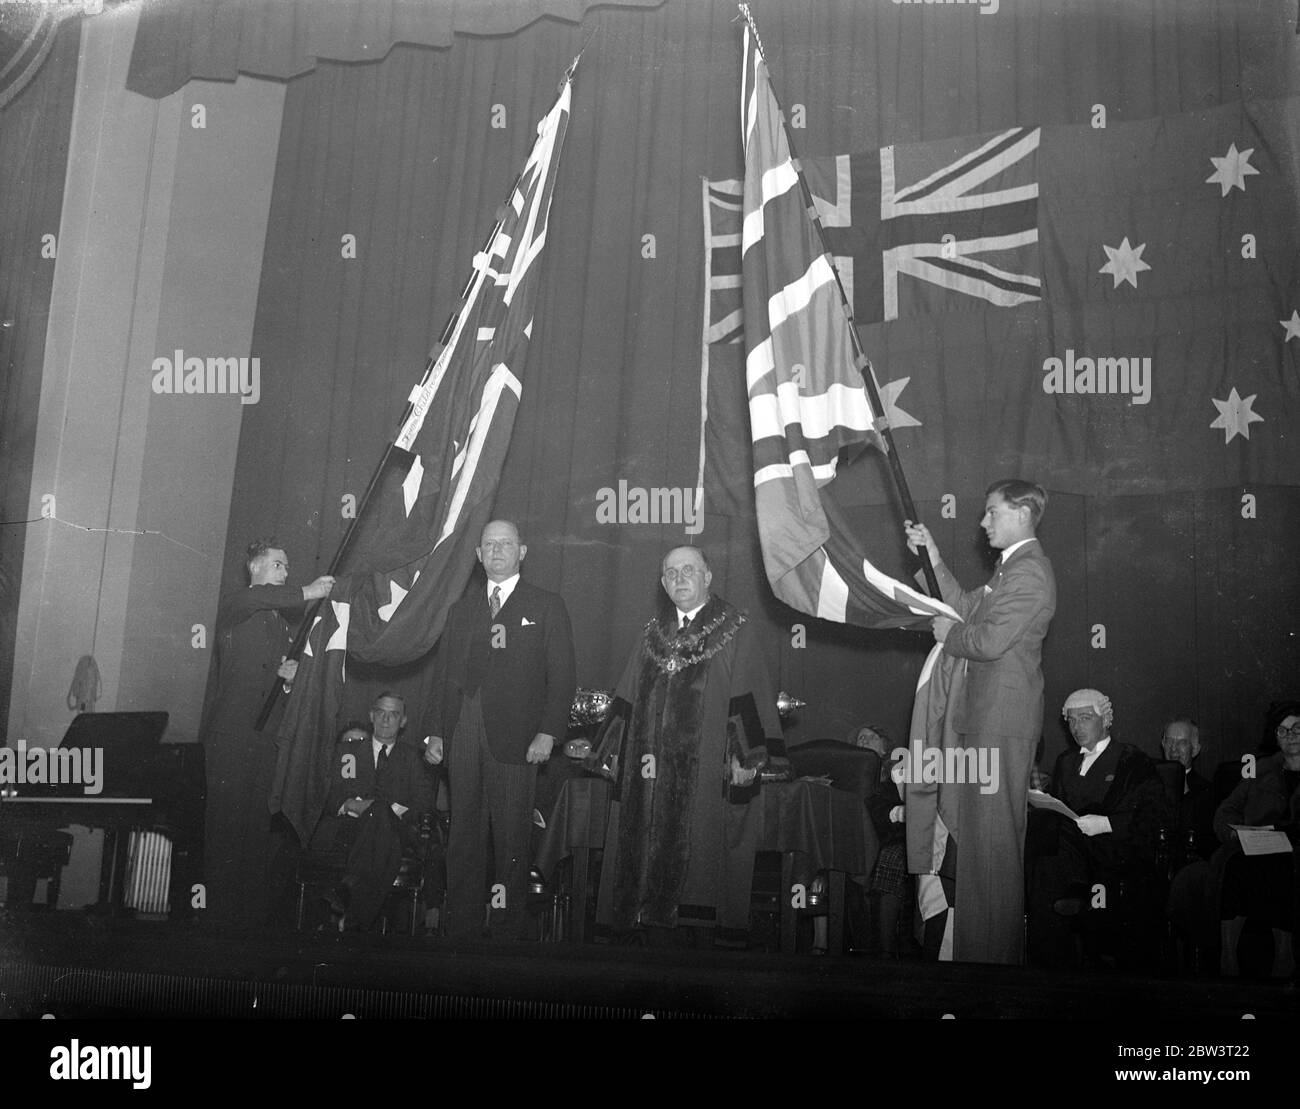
x=257, y=548
x=1277, y=712
x=353, y=726
x=1021, y=494
x=389, y=693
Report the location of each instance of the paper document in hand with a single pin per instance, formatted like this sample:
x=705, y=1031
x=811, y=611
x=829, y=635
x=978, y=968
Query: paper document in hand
x=1262, y=841
x=1041, y=800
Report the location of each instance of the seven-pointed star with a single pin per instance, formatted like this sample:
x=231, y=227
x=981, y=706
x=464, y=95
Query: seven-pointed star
x=1235, y=415
x=1125, y=262
x=889, y=402
x=1231, y=171
x=1292, y=327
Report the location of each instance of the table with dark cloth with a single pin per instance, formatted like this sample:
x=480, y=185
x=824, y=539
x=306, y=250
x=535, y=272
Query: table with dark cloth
x=812, y=826
x=816, y=827
x=575, y=826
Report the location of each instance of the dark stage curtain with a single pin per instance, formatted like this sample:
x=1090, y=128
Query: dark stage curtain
x=220, y=39
x=403, y=155
x=34, y=131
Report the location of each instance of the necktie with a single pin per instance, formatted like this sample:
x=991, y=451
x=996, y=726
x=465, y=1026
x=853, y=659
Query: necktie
x=382, y=764
x=495, y=602
x=686, y=626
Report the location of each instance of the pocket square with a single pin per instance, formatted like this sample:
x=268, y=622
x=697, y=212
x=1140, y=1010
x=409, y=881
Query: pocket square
x=527, y=623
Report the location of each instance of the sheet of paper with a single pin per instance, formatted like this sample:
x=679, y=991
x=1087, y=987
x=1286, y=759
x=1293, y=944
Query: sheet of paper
x=1041, y=800
x=1262, y=841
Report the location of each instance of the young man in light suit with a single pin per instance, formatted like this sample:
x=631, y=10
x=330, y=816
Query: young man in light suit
x=1000, y=709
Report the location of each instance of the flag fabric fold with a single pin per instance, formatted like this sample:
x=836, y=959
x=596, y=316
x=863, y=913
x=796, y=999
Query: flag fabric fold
x=806, y=396
x=1115, y=307
x=413, y=550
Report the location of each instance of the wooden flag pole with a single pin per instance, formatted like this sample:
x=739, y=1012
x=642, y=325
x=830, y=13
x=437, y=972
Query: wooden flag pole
x=863, y=366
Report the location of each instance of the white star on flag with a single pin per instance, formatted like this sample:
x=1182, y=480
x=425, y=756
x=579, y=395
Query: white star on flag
x=1235, y=416
x=1231, y=171
x=396, y=593
x=1292, y=327
x=1125, y=262
x=342, y=613
x=889, y=402
x=411, y=484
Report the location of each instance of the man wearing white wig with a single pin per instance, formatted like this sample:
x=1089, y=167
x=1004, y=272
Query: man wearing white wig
x=1121, y=807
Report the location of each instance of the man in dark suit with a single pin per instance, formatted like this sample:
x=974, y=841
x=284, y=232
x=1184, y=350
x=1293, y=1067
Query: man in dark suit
x=1000, y=709
x=245, y=855
x=1194, y=827
x=1119, y=800
x=503, y=689
x=381, y=790
x=1104, y=864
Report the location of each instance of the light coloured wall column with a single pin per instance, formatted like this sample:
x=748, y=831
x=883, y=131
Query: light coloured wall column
x=159, y=249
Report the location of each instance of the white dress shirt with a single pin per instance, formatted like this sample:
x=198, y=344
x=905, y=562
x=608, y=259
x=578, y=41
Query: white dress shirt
x=682, y=617
x=1089, y=757
x=507, y=587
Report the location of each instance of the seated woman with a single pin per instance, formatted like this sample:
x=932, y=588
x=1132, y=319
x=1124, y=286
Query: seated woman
x=888, y=887
x=1261, y=886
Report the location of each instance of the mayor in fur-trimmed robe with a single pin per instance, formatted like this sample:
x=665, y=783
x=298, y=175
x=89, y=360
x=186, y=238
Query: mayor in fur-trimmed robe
x=693, y=722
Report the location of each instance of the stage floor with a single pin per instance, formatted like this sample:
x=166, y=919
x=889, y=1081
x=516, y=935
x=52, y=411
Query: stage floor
x=73, y=964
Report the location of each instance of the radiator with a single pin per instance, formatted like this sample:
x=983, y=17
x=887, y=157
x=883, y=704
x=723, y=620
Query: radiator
x=148, y=873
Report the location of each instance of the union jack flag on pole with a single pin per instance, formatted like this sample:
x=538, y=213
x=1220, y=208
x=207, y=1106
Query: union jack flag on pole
x=806, y=396
x=413, y=550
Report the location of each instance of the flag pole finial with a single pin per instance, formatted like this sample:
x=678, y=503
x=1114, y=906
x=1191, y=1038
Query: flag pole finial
x=753, y=29
x=573, y=65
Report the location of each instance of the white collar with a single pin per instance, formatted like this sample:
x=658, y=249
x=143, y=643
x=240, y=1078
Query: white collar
x=1089, y=759
x=1009, y=551
x=507, y=587
x=377, y=745
x=684, y=616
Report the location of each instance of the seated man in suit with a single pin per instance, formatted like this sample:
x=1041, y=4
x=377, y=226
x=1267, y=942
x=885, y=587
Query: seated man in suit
x=1194, y=836
x=380, y=792
x=1120, y=804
